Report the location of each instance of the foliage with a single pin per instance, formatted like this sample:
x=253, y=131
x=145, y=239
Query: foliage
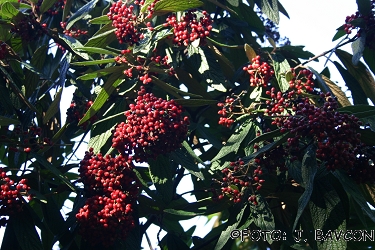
x=154, y=81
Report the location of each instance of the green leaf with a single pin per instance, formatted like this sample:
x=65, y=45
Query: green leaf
x=97, y=142
x=161, y=173
x=102, y=72
x=308, y=170
x=360, y=111
x=5, y=121
x=46, y=5
x=100, y=20
x=328, y=213
x=367, y=136
x=73, y=43
x=171, y=89
x=94, y=62
x=81, y=13
x=145, y=5
x=24, y=227
x=182, y=156
x=66, y=11
x=195, y=102
x=369, y=57
x=322, y=84
x=8, y=10
x=337, y=92
x=174, y=242
x=164, y=6
x=360, y=73
x=102, y=37
x=358, y=46
x=262, y=216
x=53, y=170
x=250, y=52
x=358, y=95
x=225, y=235
x=364, y=7
x=353, y=190
x=234, y=3
x=111, y=84
x=97, y=50
x=266, y=136
x=234, y=142
x=54, y=107
x=340, y=33
x=281, y=66
x=271, y=9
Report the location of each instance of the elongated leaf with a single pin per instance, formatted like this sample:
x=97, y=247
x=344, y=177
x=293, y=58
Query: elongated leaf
x=5, y=121
x=102, y=72
x=187, y=161
x=266, y=136
x=250, y=52
x=8, y=10
x=97, y=142
x=161, y=173
x=358, y=95
x=234, y=142
x=102, y=37
x=73, y=43
x=360, y=73
x=66, y=10
x=336, y=90
x=369, y=57
x=322, y=84
x=309, y=168
x=112, y=83
x=100, y=20
x=353, y=190
x=271, y=9
x=26, y=233
x=360, y=111
x=340, y=33
x=82, y=12
x=95, y=62
x=364, y=7
x=164, y=6
x=175, y=242
x=46, y=4
x=281, y=66
x=234, y=3
x=53, y=170
x=171, y=89
x=328, y=213
x=54, y=107
x=97, y=50
x=358, y=46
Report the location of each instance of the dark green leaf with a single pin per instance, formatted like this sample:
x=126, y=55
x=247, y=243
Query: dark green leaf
x=97, y=50
x=369, y=57
x=54, y=107
x=46, y=4
x=234, y=3
x=309, y=168
x=66, y=11
x=262, y=215
x=161, y=173
x=360, y=111
x=281, y=66
x=266, y=136
x=175, y=242
x=358, y=46
x=111, y=84
x=5, y=121
x=195, y=102
x=364, y=7
x=358, y=95
x=81, y=13
x=73, y=43
x=171, y=89
x=271, y=9
x=367, y=136
x=97, y=142
x=102, y=72
x=353, y=190
x=340, y=33
x=360, y=73
x=164, y=6
x=181, y=156
x=234, y=142
x=8, y=10
x=95, y=62
x=100, y=20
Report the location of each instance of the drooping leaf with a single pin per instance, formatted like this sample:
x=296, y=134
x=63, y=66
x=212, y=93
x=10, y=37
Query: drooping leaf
x=46, y=4
x=164, y=6
x=8, y=10
x=271, y=9
x=308, y=170
x=360, y=111
x=54, y=107
x=195, y=102
x=175, y=242
x=234, y=3
x=250, y=53
x=94, y=62
x=336, y=90
x=82, y=12
x=97, y=50
x=97, y=142
x=111, y=84
x=100, y=20
x=281, y=66
x=340, y=33
x=161, y=173
x=369, y=57
x=364, y=7
x=359, y=72
x=5, y=121
x=358, y=46
x=234, y=142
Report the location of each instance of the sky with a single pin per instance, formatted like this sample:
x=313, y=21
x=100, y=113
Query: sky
x=312, y=23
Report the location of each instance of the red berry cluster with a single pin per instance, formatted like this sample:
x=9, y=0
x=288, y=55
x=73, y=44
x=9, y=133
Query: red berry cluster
x=3, y=50
x=154, y=126
x=150, y=9
x=226, y=112
x=112, y=188
x=260, y=72
x=73, y=32
x=189, y=28
x=237, y=179
x=367, y=26
x=142, y=72
x=10, y=195
x=77, y=109
x=29, y=29
x=26, y=141
x=302, y=81
x=125, y=22
x=334, y=133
